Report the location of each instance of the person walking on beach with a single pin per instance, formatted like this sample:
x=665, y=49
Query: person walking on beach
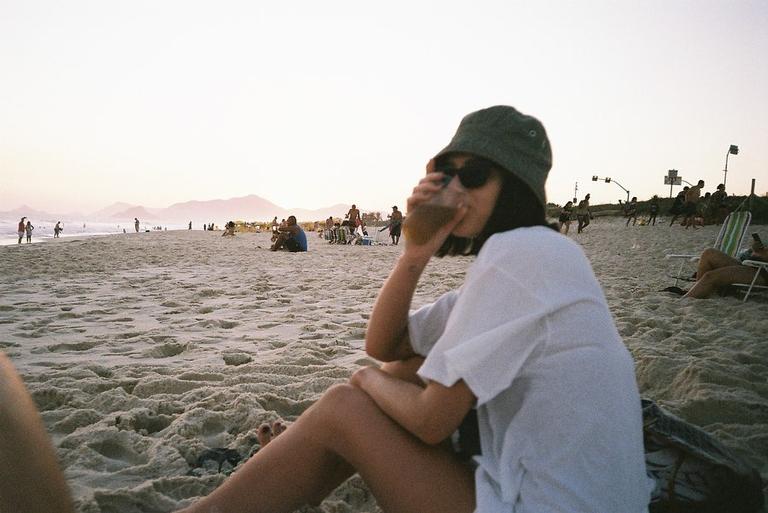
x=565, y=216
x=395, y=225
x=136, y=224
x=21, y=229
x=528, y=371
x=583, y=215
x=630, y=210
x=677, y=205
x=57, y=230
x=690, y=207
x=28, y=229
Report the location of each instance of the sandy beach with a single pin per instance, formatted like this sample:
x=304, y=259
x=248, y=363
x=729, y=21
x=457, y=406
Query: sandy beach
x=144, y=350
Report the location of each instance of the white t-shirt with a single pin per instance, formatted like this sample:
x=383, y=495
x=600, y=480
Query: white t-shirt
x=558, y=408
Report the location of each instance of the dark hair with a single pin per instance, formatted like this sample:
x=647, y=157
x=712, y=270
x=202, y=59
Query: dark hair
x=516, y=207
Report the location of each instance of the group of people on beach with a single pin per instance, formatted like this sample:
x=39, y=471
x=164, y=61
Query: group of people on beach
x=25, y=228
x=581, y=213
x=695, y=209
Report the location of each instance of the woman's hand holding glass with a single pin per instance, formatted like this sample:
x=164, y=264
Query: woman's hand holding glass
x=433, y=197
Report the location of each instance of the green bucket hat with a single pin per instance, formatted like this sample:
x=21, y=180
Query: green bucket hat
x=513, y=141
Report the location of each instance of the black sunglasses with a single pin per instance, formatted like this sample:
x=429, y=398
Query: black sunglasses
x=473, y=174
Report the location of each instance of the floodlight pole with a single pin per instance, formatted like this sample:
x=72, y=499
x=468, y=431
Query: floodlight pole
x=732, y=149
x=609, y=180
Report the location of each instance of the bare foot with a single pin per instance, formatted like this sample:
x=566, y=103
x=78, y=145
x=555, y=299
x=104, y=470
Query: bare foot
x=278, y=427
x=264, y=435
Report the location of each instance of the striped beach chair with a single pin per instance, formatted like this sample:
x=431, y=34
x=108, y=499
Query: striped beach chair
x=729, y=240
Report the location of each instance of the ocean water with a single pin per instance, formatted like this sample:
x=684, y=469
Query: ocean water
x=80, y=228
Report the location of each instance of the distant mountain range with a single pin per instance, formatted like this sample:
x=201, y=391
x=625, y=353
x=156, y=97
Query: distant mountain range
x=246, y=208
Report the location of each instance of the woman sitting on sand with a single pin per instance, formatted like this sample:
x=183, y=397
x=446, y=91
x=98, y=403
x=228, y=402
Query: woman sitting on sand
x=513, y=392
x=524, y=357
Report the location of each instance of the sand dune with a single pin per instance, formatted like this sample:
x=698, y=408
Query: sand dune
x=144, y=350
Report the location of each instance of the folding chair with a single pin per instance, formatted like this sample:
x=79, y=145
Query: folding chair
x=759, y=266
x=729, y=240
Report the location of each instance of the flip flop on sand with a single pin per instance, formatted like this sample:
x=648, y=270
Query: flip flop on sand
x=675, y=290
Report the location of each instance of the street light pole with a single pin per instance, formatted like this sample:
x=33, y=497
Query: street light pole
x=732, y=150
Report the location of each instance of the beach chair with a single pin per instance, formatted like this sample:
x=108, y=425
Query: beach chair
x=759, y=266
x=729, y=240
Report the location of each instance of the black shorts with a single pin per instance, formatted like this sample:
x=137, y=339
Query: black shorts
x=689, y=209
x=565, y=217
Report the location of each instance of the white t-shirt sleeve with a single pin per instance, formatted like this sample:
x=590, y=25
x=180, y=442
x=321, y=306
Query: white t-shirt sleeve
x=487, y=341
x=426, y=324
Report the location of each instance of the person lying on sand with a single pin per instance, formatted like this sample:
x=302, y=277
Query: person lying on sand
x=717, y=270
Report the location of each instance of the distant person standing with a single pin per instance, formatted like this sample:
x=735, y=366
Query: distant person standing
x=396, y=226
x=354, y=217
x=653, y=210
x=583, y=215
x=190, y=225
x=718, y=202
x=136, y=224
x=691, y=204
x=57, y=230
x=21, y=229
x=28, y=228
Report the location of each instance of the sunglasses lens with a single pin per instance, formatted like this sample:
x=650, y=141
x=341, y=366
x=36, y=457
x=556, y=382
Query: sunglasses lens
x=474, y=175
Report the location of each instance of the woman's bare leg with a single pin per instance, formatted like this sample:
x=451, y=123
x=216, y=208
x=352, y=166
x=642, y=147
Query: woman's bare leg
x=713, y=280
x=712, y=259
x=345, y=431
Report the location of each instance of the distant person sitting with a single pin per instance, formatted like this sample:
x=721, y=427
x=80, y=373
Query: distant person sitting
x=717, y=270
x=291, y=238
x=229, y=229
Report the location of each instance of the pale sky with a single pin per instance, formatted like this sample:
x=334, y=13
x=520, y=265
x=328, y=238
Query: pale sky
x=310, y=103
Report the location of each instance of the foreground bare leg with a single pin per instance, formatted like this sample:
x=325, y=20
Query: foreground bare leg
x=30, y=478
x=345, y=430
